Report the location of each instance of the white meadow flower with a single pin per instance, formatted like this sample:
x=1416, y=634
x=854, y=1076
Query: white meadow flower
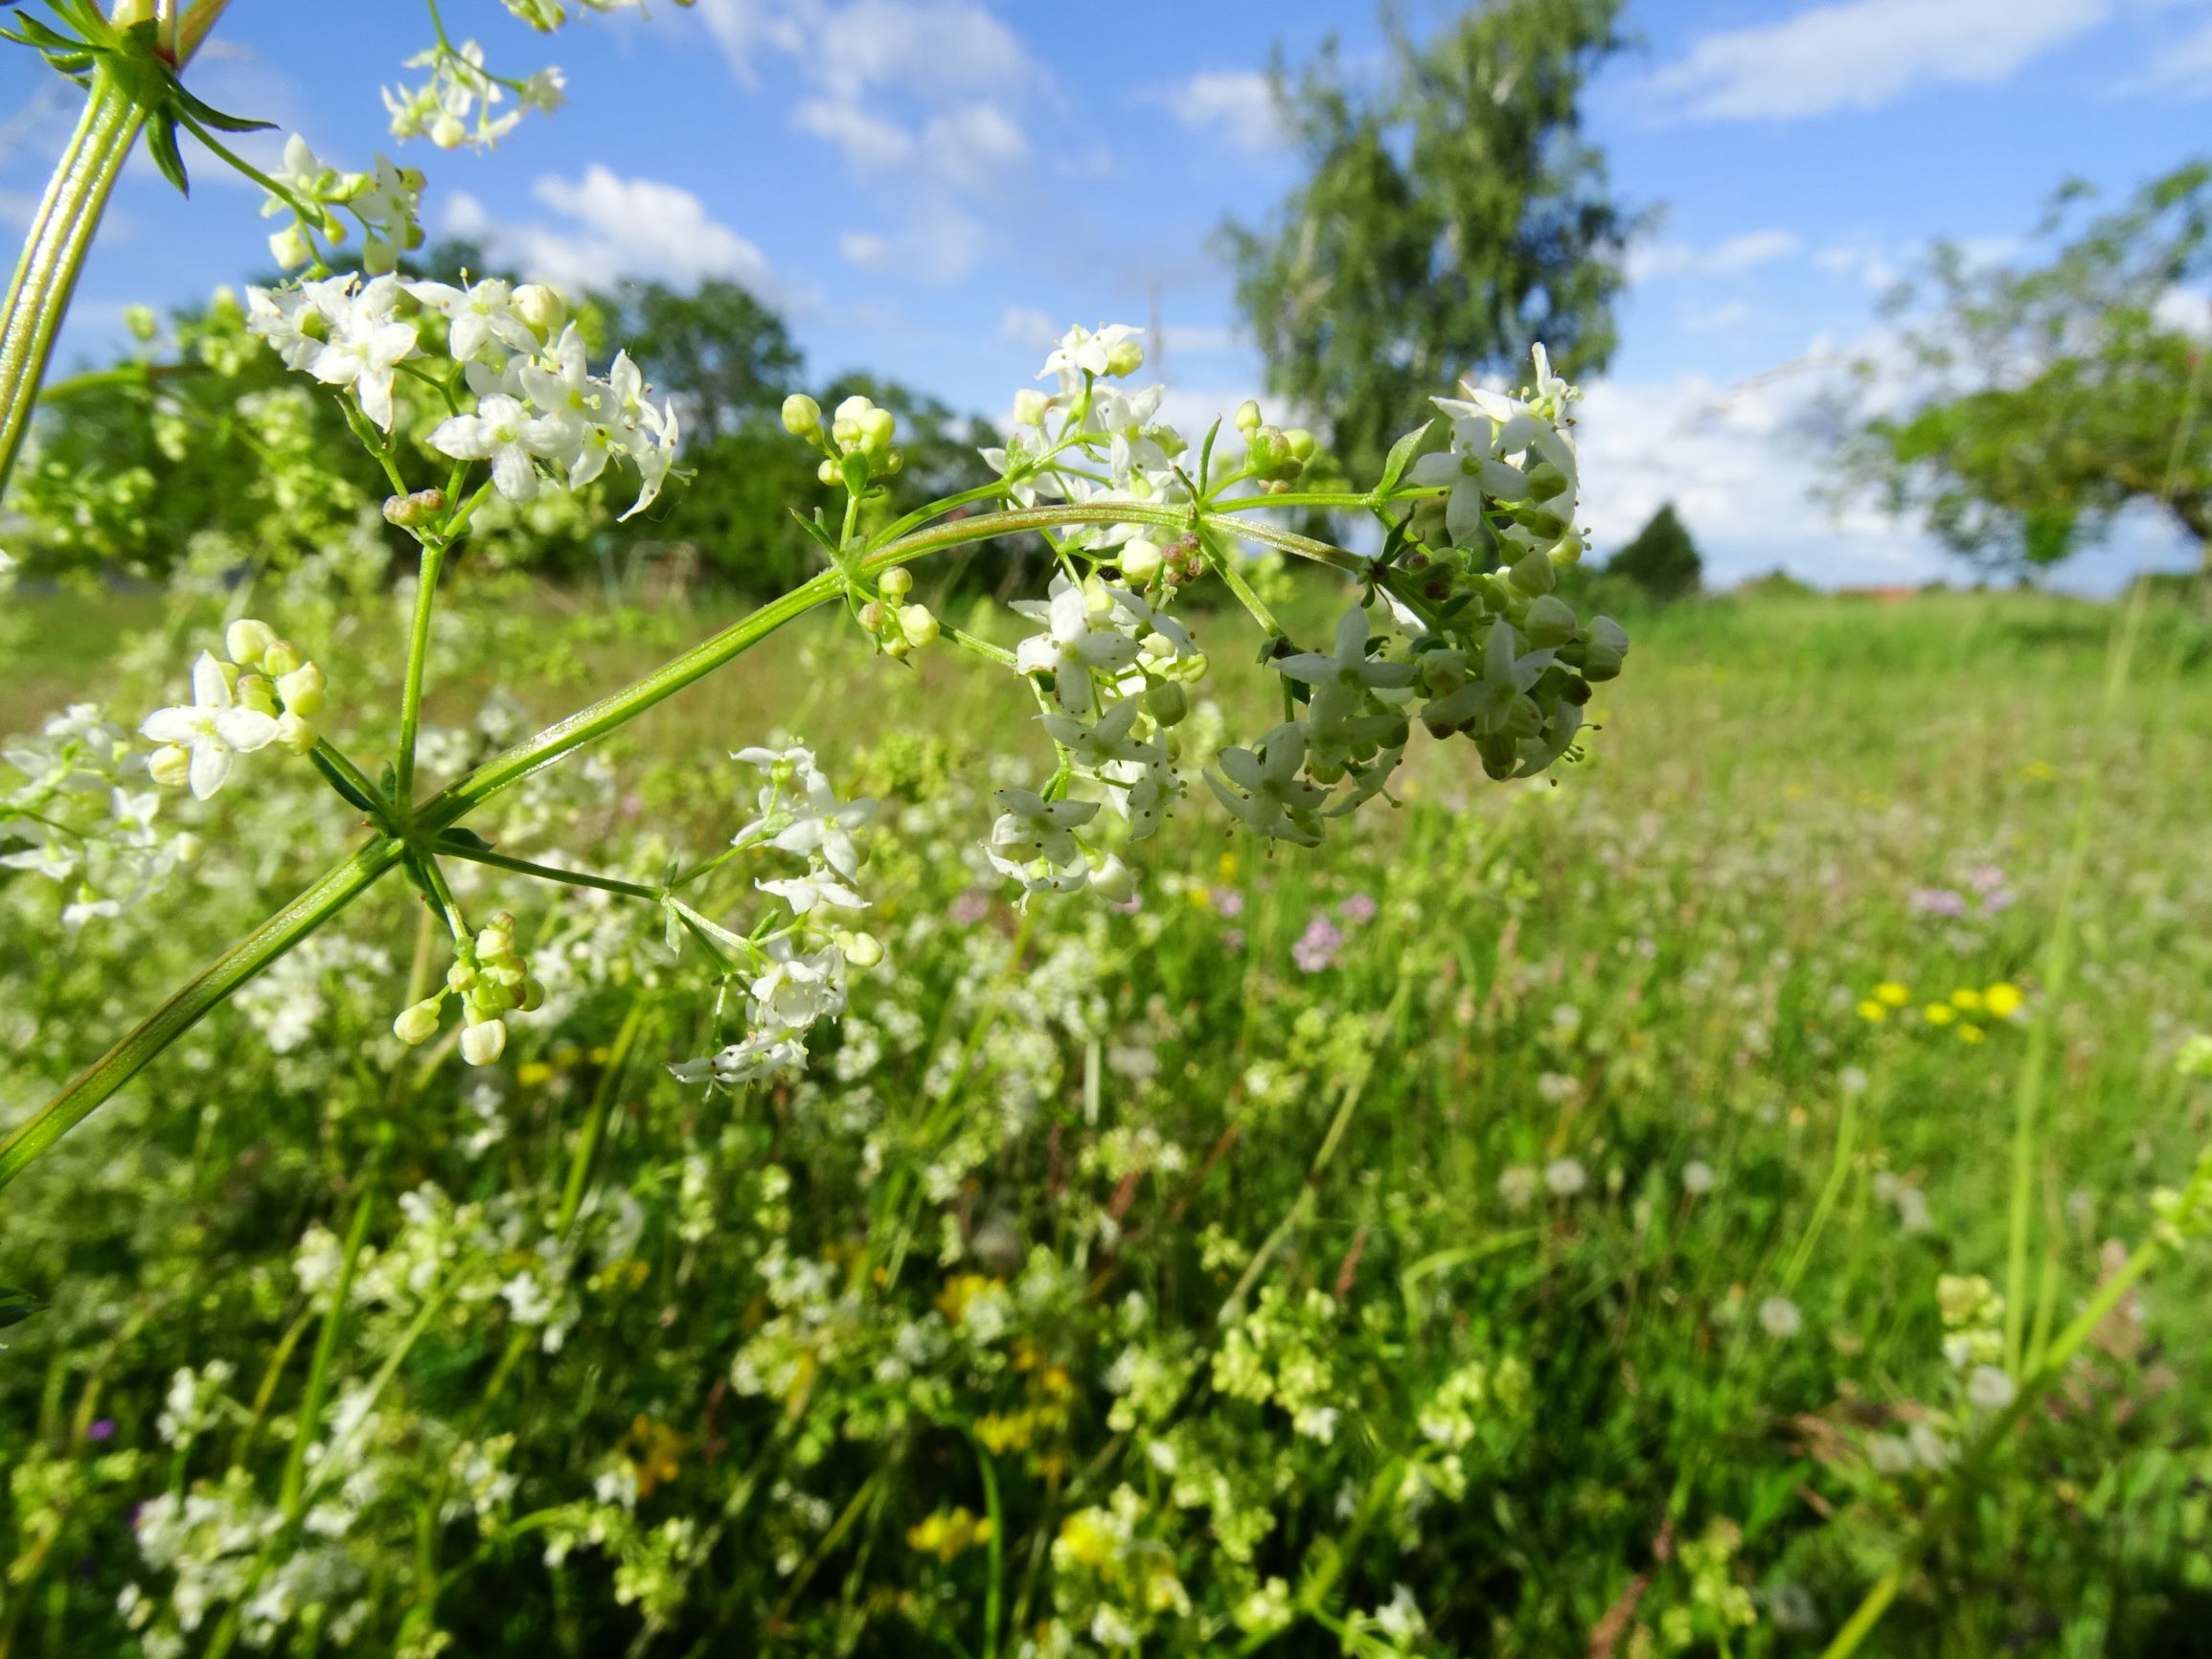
x=212, y=729
x=1779, y=1318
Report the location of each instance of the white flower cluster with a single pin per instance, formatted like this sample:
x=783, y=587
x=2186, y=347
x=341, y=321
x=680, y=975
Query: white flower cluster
x=267, y=693
x=794, y=975
x=73, y=817
x=1114, y=672
x=547, y=15
x=1059, y=441
x=540, y=410
x=387, y=202
x=455, y=105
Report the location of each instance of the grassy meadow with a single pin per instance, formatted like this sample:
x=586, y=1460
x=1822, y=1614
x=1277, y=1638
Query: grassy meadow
x=1513, y=1228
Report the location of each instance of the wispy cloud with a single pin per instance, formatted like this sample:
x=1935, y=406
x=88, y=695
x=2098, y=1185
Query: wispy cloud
x=1738, y=253
x=1860, y=55
x=1236, y=104
x=619, y=227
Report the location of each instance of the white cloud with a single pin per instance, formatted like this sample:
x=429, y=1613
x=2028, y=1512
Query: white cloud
x=1718, y=319
x=2186, y=311
x=865, y=249
x=1237, y=103
x=922, y=97
x=619, y=227
x=2184, y=67
x=1863, y=54
x=1739, y=253
x=869, y=142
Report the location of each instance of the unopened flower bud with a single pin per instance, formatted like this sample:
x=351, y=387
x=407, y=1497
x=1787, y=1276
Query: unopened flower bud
x=170, y=766
x=1567, y=552
x=418, y=1022
x=802, y=416
x=828, y=472
x=1247, y=417
x=918, y=625
x=1124, y=358
x=140, y=321
x=484, y=1043
x=1604, y=647
x=533, y=997
x=1113, y=881
x=1550, y=622
x=188, y=848
x=302, y=690
x=416, y=509
x=1030, y=406
x=1140, y=559
x=1301, y=444
x=1545, y=481
x=246, y=640
x=878, y=427
x=860, y=950
x=447, y=133
x=897, y=582
x=254, y=692
x=294, y=734
x=1167, y=702
x=280, y=657
x=289, y=249
x=1535, y=574
x=872, y=616
x=541, y=309
x=462, y=977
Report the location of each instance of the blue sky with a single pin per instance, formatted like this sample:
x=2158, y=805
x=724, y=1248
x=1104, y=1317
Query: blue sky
x=928, y=188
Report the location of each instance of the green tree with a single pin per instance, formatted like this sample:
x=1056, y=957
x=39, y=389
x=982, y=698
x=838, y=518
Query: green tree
x=1661, y=558
x=1449, y=218
x=2048, y=394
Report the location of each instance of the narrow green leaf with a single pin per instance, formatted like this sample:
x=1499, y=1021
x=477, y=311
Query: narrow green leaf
x=1400, y=457
x=17, y=1306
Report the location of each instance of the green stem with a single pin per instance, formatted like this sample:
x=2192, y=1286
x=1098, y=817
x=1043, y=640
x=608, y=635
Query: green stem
x=337, y=889
x=548, y=871
x=292, y=1494
x=1839, y=1170
x=418, y=651
x=595, y=1120
x=2058, y=965
x=53, y=253
x=1326, y=498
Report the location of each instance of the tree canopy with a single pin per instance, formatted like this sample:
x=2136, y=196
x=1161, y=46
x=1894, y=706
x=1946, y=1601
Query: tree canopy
x=2045, y=395
x=1450, y=216
x=1661, y=558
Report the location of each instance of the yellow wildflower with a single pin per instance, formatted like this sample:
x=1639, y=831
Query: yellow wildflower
x=1971, y=1033
x=1939, y=1014
x=946, y=1533
x=2004, y=999
x=1228, y=866
x=960, y=1290
x=1892, y=994
x=531, y=1073
x=1870, y=1010
x=1087, y=1538
x=650, y=1448
x=1966, y=1000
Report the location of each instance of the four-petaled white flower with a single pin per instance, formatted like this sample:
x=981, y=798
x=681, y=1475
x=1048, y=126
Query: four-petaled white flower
x=1276, y=803
x=211, y=728
x=506, y=434
x=1072, y=647
x=1341, y=682
x=365, y=347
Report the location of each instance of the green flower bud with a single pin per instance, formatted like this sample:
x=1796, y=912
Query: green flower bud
x=1545, y=481
x=861, y=949
x=289, y=248
x=1167, y=702
x=802, y=416
x=409, y=511
x=1124, y=358
x=829, y=471
x=918, y=625
x=897, y=582
x=294, y=734
x=246, y=640
x=302, y=689
x=1604, y=644
x=1301, y=442
x=418, y=1022
x=461, y=978
x=533, y=996
x=1030, y=406
x=1140, y=559
x=1550, y=622
x=170, y=766
x=541, y=309
x=254, y=692
x=1246, y=420
x=484, y=1043
x=873, y=616
x=878, y=427
x=280, y=657
x=1535, y=574
x=140, y=321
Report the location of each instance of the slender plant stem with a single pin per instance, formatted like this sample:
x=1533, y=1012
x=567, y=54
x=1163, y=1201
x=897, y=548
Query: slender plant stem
x=293, y=1493
x=1838, y=1172
x=2058, y=966
x=337, y=889
x=548, y=871
x=2084, y=1324
x=418, y=651
x=53, y=253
